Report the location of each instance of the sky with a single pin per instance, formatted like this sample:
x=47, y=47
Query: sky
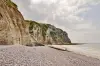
x=79, y=18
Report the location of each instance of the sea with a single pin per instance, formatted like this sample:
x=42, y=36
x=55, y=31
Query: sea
x=88, y=49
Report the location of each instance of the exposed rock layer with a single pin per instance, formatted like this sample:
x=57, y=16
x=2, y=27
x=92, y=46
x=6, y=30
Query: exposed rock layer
x=12, y=27
x=46, y=33
x=15, y=30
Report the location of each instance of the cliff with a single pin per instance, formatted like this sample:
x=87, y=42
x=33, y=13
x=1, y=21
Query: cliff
x=15, y=30
x=46, y=33
x=12, y=26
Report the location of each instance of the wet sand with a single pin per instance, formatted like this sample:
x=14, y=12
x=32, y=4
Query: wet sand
x=16, y=55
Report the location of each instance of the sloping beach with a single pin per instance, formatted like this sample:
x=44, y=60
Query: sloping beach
x=89, y=49
x=18, y=55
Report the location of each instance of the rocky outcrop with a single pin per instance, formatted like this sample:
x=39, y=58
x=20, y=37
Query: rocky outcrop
x=46, y=33
x=15, y=30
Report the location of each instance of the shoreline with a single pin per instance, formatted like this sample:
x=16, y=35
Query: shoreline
x=18, y=55
x=87, y=51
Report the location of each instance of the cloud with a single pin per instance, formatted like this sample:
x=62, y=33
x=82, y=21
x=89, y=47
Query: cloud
x=45, y=1
x=64, y=14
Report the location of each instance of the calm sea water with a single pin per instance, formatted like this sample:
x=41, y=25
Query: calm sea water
x=95, y=46
x=88, y=49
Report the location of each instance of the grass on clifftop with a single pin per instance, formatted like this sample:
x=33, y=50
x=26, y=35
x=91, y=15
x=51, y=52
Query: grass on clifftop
x=11, y=4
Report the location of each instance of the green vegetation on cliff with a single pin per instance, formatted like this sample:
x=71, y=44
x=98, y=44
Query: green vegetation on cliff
x=36, y=25
x=11, y=4
x=44, y=28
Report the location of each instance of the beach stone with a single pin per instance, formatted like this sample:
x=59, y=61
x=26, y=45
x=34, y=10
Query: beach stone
x=16, y=55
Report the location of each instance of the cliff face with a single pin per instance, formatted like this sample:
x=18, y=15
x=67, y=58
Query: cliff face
x=15, y=30
x=46, y=33
x=12, y=27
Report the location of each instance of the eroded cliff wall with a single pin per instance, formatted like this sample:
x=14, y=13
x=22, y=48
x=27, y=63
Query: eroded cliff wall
x=15, y=30
x=46, y=33
x=12, y=27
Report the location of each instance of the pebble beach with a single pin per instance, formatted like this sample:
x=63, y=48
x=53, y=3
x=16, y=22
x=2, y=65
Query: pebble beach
x=18, y=55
